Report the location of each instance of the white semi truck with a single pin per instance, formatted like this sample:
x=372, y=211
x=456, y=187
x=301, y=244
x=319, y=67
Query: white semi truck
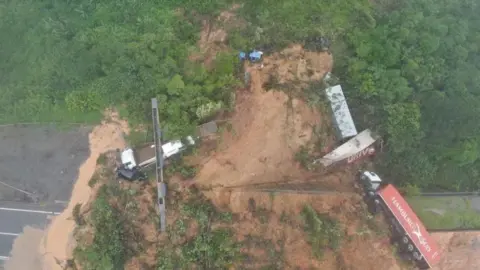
x=408, y=230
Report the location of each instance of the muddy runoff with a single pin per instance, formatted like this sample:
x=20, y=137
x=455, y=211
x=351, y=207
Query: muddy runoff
x=50, y=249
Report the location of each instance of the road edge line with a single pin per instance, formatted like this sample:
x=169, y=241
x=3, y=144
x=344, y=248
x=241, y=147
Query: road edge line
x=29, y=211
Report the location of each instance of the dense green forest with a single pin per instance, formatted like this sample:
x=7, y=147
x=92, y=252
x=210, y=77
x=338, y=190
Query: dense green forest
x=414, y=75
x=68, y=60
x=410, y=68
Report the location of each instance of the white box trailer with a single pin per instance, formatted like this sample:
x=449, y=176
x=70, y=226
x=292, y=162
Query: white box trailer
x=358, y=147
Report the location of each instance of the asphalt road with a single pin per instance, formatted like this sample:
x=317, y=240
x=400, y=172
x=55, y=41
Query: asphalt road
x=15, y=216
x=43, y=160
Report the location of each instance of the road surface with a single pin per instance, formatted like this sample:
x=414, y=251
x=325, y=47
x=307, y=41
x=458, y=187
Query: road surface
x=38, y=159
x=16, y=216
x=41, y=159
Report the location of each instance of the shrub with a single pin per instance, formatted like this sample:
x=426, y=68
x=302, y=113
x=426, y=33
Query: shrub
x=323, y=231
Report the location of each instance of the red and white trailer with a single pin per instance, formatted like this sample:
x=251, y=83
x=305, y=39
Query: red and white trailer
x=408, y=224
x=410, y=232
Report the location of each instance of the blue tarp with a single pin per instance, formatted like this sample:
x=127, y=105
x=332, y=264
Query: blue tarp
x=255, y=55
x=242, y=55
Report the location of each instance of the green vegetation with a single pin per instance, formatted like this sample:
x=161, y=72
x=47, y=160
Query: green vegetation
x=413, y=76
x=209, y=248
x=323, y=231
x=446, y=212
x=109, y=249
x=66, y=61
x=178, y=165
x=303, y=157
x=409, y=69
x=102, y=159
x=77, y=215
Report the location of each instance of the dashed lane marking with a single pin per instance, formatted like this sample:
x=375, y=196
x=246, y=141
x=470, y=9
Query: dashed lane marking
x=61, y=202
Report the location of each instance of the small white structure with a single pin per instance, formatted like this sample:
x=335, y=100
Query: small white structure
x=341, y=114
x=354, y=149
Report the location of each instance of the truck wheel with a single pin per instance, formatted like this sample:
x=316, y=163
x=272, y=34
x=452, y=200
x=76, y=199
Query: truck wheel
x=405, y=240
x=417, y=256
x=370, y=194
x=378, y=206
x=410, y=247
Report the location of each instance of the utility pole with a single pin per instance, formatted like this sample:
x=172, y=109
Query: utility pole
x=161, y=186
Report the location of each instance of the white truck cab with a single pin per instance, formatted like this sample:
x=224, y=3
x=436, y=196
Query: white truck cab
x=128, y=159
x=371, y=182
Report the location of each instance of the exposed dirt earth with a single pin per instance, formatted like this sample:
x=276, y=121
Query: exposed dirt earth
x=268, y=127
x=460, y=250
x=267, y=130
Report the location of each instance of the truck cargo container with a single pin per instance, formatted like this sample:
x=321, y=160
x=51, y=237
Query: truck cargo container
x=408, y=231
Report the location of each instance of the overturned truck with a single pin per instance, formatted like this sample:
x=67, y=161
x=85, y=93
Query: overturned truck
x=408, y=231
x=134, y=161
x=364, y=144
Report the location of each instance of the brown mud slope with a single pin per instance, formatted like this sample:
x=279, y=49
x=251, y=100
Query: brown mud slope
x=460, y=250
x=275, y=218
x=59, y=241
x=268, y=128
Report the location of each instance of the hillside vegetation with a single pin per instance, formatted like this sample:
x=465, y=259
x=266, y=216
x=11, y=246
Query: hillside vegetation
x=410, y=69
x=68, y=60
x=414, y=75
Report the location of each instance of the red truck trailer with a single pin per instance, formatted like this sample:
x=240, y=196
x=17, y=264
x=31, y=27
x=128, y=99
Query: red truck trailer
x=409, y=231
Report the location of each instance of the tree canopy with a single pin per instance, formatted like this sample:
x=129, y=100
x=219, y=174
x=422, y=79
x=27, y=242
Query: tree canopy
x=410, y=68
x=417, y=68
x=67, y=60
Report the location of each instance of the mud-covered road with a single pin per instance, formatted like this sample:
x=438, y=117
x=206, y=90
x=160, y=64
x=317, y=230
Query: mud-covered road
x=41, y=159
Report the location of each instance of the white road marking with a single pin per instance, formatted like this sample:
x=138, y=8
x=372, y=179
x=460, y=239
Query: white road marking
x=10, y=234
x=3, y=258
x=61, y=202
x=30, y=211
